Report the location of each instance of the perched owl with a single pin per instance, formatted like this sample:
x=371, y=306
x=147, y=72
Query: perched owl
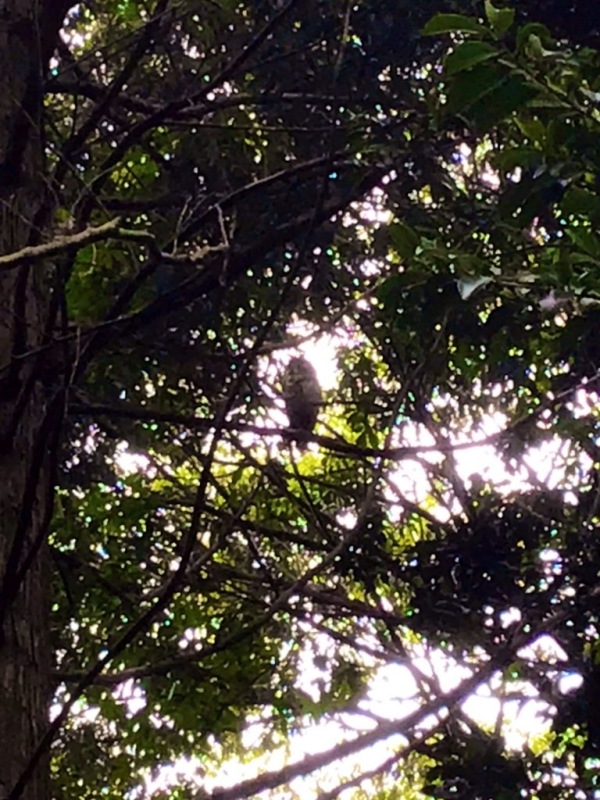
x=302, y=395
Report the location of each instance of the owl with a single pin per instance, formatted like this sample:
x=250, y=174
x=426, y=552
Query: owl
x=302, y=395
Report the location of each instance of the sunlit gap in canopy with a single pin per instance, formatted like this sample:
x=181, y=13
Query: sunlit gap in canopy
x=396, y=687
x=394, y=690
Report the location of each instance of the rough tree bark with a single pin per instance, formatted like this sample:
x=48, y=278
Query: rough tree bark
x=29, y=409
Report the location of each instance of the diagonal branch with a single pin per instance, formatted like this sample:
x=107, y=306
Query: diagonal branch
x=311, y=763
x=76, y=142
x=135, y=134
x=74, y=241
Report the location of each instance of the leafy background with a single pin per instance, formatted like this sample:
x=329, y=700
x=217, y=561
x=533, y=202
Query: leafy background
x=411, y=190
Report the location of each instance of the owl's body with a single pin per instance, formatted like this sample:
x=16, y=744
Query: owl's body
x=302, y=395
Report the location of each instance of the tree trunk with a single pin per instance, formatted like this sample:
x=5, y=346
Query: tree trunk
x=28, y=414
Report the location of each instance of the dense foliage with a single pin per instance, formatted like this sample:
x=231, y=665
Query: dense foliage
x=414, y=205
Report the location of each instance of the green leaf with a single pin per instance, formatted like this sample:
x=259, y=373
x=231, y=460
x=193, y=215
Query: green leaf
x=468, y=54
x=453, y=23
x=390, y=292
x=533, y=128
x=532, y=29
x=500, y=19
x=404, y=239
x=581, y=202
x=586, y=240
x=527, y=158
x=488, y=94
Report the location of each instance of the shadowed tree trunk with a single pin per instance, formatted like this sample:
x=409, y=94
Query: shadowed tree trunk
x=30, y=412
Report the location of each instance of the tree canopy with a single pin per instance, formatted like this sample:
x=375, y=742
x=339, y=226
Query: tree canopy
x=407, y=194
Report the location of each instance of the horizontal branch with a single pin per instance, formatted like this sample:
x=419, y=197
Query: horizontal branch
x=109, y=230
x=140, y=414
x=64, y=243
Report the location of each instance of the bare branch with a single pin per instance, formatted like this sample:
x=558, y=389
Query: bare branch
x=271, y=780
x=75, y=241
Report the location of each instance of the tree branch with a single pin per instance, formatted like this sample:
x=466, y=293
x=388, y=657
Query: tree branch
x=62, y=244
x=311, y=763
